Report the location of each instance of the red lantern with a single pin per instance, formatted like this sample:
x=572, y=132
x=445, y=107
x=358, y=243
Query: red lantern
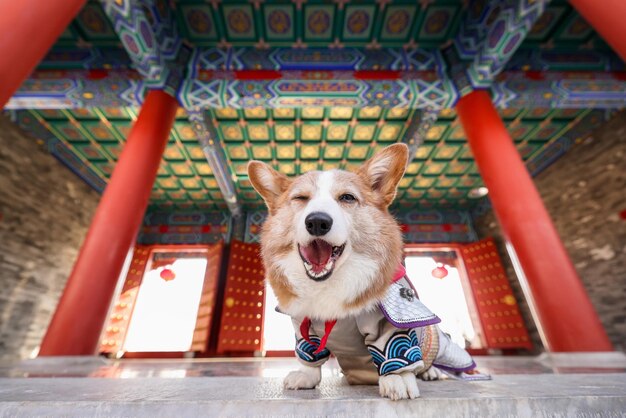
x=167, y=275
x=440, y=271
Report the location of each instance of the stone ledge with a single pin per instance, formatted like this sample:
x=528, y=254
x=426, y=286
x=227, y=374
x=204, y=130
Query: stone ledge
x=506, y=395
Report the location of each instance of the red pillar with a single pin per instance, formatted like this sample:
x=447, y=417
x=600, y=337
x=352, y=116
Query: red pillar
x=29, y=28
x=566, y=315
x=76, y=325
x=607, y=18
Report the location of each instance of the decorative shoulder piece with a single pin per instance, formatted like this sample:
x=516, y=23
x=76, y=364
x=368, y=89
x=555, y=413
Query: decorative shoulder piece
x=403, y=309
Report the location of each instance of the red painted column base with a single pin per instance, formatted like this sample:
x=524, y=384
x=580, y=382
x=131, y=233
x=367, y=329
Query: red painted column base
x=565, y=313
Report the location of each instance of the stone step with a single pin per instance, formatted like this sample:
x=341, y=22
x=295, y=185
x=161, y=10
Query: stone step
x=529, y=395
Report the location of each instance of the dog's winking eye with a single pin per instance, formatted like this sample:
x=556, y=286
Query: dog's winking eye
x=300, y=197
x=347, y=198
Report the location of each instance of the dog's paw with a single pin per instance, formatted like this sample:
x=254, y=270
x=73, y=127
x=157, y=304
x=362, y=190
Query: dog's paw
x=432, y=373
x=398, y=386
x=305, y=378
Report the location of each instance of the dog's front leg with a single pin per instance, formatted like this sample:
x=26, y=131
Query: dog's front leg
x=399, y=386
x=305, y=378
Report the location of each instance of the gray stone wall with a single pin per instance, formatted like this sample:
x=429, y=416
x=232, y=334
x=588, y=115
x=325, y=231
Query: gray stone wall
x=585, y=192
x=45, y=211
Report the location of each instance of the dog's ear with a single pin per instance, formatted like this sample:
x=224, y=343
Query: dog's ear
x=385, y=169
x=269, y=183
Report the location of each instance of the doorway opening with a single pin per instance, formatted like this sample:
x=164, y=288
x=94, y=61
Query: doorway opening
x=442, y=285
x=164, y=318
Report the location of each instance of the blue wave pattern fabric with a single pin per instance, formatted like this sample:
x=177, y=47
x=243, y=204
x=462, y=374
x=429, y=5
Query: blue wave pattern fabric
x=400, y=351
x=306, y=351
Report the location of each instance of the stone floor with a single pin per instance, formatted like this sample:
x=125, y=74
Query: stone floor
x=558, y=385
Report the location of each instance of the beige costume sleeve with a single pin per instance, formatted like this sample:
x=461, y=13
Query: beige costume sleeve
x=305, y=351
x=394, y=350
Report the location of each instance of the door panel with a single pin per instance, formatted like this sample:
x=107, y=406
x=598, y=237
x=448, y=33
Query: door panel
x=241, y=328
x=501, y=321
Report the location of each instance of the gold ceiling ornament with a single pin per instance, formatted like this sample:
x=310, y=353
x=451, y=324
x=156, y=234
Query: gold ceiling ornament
x=258, y=131
x=262, y=151
x=181, y=169
x=333, y=152
x=255, y=113
x=370, y=112
x=172, y=153
x=286, y=151
x=389, y=132
x=232, y=132
x=434, y=168
x=226, y=113
x=308, y=166
x=446, y=113
x=341, y=112
x=287, y=168
x=190, y=183
x=195, y=152
x=309, y=151
x=435, y=132
x=405, y=182
x=357, y=152
x=364, y=132
x=310, y=132
x=203, y=169
x=413, y=168
x=313, y=112
x=397, y=112
x=284, y=113
x=285, y=132
x=424, y=182
x=186, y=132
x=210, y=183
x=238, y=152
x=337, y=131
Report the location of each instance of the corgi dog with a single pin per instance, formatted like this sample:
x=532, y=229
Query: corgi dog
x=333, y=254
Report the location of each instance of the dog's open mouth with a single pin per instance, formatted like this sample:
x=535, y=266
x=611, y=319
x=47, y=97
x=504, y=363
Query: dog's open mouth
x=319, y=258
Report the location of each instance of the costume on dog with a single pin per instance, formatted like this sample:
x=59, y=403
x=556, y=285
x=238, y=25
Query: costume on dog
x=399, y=335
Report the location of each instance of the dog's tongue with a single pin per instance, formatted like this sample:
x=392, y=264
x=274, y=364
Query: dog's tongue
x=317, y=253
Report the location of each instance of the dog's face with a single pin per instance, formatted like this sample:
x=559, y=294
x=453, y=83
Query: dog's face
x=329, y=245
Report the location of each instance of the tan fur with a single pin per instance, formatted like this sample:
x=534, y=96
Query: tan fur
x=373, y=233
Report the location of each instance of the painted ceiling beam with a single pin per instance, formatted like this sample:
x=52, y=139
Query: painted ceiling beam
x=346, y=59
x=416, y=131
x=149, y=33
x=560, y=144
x=487, y=39
x=240, y=89
x=506, y=34
x=214, y=153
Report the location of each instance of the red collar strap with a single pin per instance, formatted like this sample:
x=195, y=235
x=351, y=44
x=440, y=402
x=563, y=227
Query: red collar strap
x=304, y=330
x=328, y=325
x=399, y=274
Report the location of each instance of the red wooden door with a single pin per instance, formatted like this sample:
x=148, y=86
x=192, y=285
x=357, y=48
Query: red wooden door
x=501, y=321
x=241, y=328
x=201, y=335
x=119, y=318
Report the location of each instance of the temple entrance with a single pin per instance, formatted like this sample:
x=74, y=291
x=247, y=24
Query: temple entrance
x=166, y=302
x=168, y=299
x=442, y=285
x=278, y=333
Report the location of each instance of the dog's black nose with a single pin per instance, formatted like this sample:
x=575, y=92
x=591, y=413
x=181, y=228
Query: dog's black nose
x=318, y=223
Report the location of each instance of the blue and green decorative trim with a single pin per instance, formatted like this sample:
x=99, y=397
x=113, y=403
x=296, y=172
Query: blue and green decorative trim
x=306, y=350
x=400, y=351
